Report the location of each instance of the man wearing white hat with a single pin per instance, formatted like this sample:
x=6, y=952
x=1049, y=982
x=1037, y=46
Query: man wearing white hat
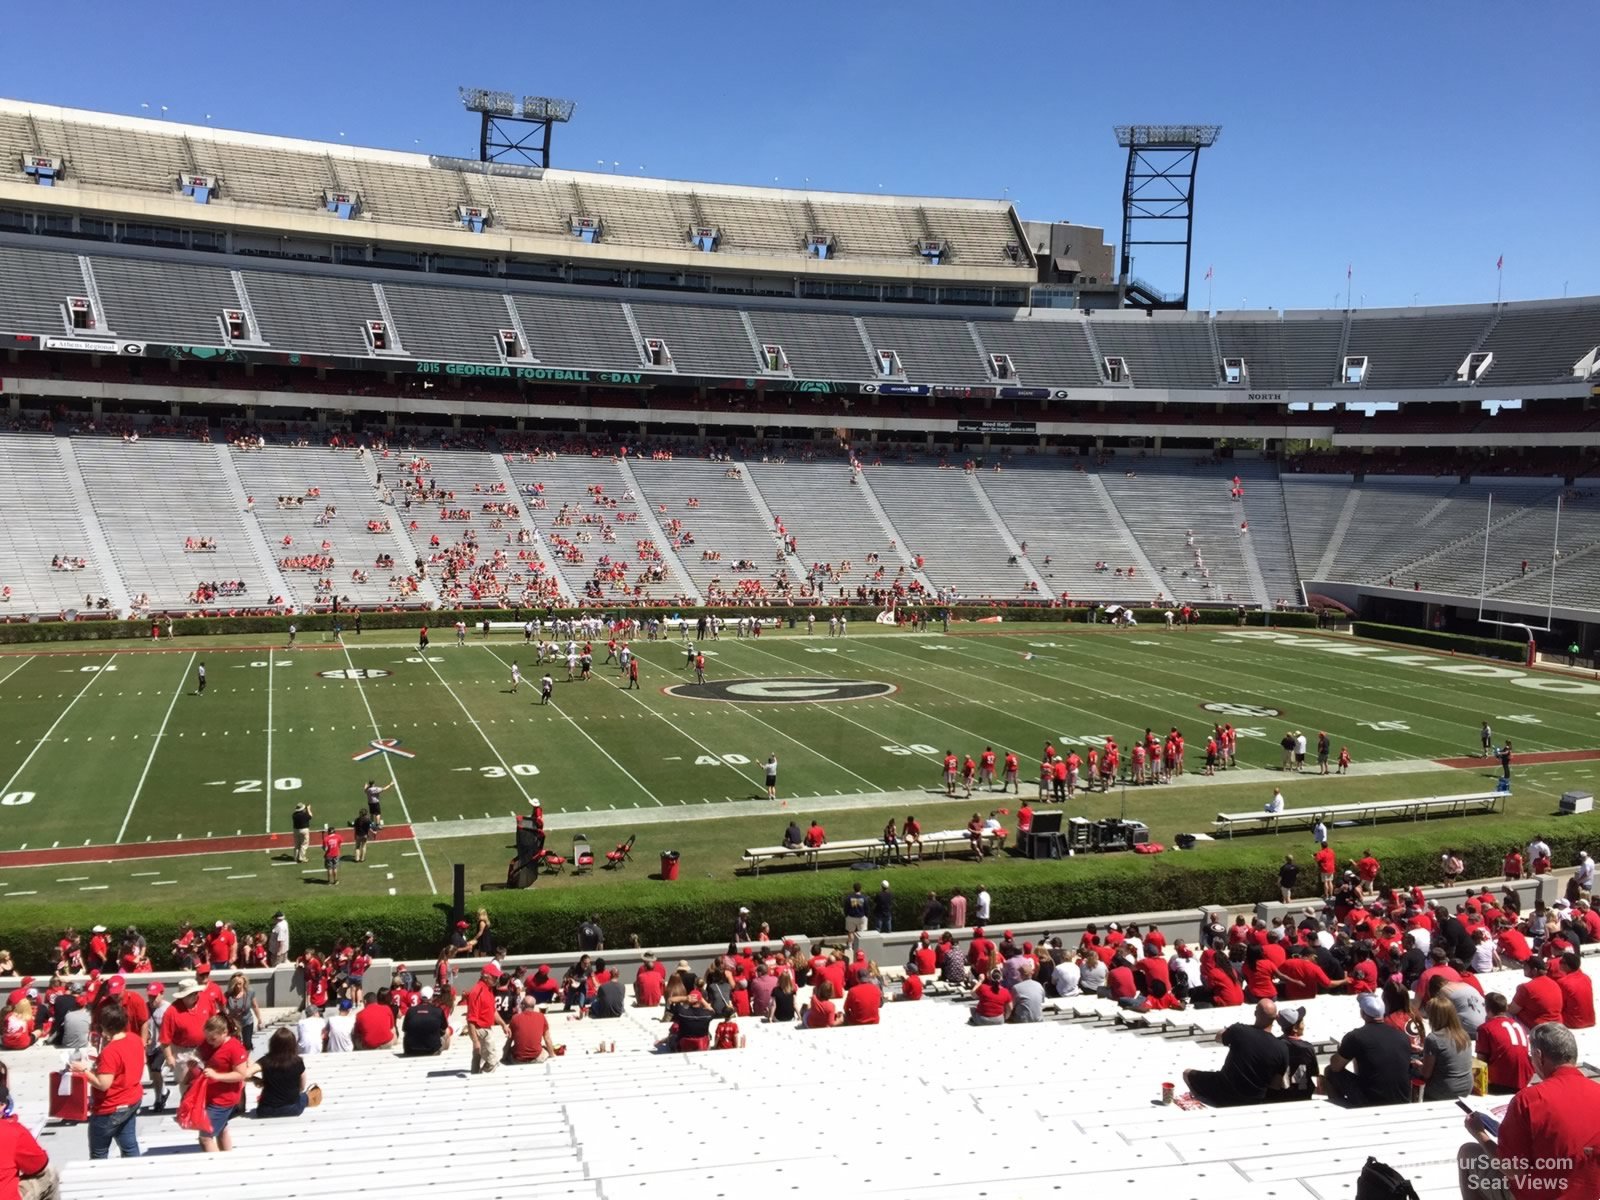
x=426, y=1029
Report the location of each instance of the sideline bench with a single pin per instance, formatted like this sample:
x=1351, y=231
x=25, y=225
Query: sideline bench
x=1418, y=809
x=873, y=850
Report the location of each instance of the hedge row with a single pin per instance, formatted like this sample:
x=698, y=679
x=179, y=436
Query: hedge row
x=19, y=633
x=691, y=911
x=1484, y=647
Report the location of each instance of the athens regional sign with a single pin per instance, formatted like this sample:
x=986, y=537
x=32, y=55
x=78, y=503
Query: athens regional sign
x=810, y=690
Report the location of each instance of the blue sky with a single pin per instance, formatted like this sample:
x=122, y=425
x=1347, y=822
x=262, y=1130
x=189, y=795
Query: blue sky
x=1417, y=142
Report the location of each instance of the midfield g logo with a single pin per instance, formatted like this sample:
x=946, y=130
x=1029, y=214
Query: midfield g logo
x=810, y=690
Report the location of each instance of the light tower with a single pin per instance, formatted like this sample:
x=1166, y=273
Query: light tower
x=1159, y=190
x=515, y=128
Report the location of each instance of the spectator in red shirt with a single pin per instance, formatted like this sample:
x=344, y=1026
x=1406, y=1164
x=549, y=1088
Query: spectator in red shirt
x=649, y=982
x=485, y=1026
x=820, y=1013
x=117, y=1079
x=1539, y=999
x=1217, y=977
x=1513, y=946
x=863, y=1000
x=1512, y=867
x=1577, y=993
x=1326, y=862
x=1368, y=867
x=1547, y=1137
x=816, y=835
x=183, y=1025
x=225, y=1065
x=22, y=1159
x=1503, y=1045
x=375, y=1025
x=530, y=1034
x=993, y=1002
x=1303, y=978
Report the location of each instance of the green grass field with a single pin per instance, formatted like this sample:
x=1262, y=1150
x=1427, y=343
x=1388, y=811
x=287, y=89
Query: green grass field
x=112, y=746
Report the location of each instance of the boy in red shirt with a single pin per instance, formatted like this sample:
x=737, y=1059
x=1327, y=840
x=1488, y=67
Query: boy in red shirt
x=1326, y=862
x=1539, y=999
x=1503, y=1045
x=226, y=1066
x=862, y=1001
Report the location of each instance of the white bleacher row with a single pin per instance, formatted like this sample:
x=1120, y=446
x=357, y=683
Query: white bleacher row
x=724, y=522
x=279, y=471
x=179, y=300
x=147, y=497
x=460, y=471
x=151, y=495
x=869, y=1111
x=142, y=156
x=41, y=521
x=832, y=524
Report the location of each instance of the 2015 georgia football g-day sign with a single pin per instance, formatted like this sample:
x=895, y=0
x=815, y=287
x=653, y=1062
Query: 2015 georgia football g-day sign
x=810, y=690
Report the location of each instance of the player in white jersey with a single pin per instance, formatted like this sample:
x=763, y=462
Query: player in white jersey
x=572, y=662
x=461, y=633
x=527, y=633
x=516, y=678
x=811, y=623
x=833, y=626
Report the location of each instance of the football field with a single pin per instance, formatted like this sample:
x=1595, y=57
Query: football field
x=108, y=754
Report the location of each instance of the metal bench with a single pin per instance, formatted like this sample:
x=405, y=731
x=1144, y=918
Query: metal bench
x=1418, y=809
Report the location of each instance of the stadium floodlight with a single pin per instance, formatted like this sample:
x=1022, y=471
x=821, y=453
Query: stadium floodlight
x=1166, y=135
x=483, y=100
x=515, y=127
x=1158, y=202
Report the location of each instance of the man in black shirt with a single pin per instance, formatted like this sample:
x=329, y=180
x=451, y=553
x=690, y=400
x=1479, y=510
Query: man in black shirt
x=1381, y=1056
x=1287, y=874
x=793, y=837
x=1256, y=1060
x=590, y=936
x=426, y=1030
x=302, y=831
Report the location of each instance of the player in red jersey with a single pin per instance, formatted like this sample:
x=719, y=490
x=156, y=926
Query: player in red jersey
x=986, y=768
x=1011, y=774
x=950, y=766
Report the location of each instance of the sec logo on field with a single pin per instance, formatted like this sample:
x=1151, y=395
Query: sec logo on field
x=782, y=691
x=353, y=673
x=1241, y=710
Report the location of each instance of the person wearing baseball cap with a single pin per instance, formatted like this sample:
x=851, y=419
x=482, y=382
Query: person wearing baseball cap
x=425, y=1031
x=1373, y=1063
x=485, y=1027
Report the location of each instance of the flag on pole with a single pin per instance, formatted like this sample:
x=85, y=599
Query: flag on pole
x=1208, y=272
x=1500, y=263
x=1349, y=270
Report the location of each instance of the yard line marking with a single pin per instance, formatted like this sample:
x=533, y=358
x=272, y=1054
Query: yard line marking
x=144, y=874
x=214, y=868
x=162, y=882
x=22, y=893
x=19, y=667
x=473, y=721
x=241, y=876
x=591, y=740
x=271, y=663
x=96, y=887
x=388, y=761
x=73, y=879
x=155, y=745
x=93, y=679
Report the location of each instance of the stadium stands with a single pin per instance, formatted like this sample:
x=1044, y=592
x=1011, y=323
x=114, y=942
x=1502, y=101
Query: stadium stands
x=43, y=525
x=152, y=497
x=940, y=521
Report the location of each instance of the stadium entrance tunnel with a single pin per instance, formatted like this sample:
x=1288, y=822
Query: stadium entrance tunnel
x=799, y=690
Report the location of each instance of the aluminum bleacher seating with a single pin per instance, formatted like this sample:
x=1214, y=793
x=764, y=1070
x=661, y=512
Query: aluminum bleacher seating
x=931, y=351
x=572, y=332
x=41, y=522
x=179, y=303
x=940, y=519
x=1408, y=351
x=817, y=345
x=340, y=478
x=1162, y=500
x=153, y=494
x=1057, y=512
x=453, y=324
x=703, y=340
x=1541, y=343
x=724, y=522
x=1043, y=350
x=34, y=286
x=1283, y=352
x=1160, y=353
x=832, y=523
x=318, y=313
